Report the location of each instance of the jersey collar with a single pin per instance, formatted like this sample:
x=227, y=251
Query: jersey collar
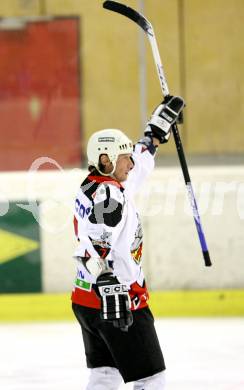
x=102, y=179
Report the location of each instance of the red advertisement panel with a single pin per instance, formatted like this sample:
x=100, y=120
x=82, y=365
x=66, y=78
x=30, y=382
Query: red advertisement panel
x=40, y=94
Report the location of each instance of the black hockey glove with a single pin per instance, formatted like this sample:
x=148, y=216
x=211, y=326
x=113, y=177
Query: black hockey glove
x=115, y=301
x=165, y=115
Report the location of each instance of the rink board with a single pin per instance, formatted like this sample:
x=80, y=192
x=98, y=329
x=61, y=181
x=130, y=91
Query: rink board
x=172, y=254
x=55, y=307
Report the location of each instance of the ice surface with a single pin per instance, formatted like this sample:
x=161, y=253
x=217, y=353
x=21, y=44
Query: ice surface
x=199, y=353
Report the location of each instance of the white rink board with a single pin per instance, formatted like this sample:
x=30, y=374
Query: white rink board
x=171, y=241
x=200, y=354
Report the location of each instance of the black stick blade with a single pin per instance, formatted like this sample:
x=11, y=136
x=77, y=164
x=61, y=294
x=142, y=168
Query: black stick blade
x=128, y=12
x=207, y=259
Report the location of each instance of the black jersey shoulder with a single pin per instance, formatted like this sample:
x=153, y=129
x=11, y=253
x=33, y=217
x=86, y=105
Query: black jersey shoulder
x=109, y=210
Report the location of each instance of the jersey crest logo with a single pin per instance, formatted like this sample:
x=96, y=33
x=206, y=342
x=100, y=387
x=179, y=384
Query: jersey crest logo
x=137, y=254
x=136, y=247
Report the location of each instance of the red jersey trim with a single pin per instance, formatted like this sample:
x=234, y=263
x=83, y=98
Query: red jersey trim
x=86, y=298
x=101, y=179
x=75, y=226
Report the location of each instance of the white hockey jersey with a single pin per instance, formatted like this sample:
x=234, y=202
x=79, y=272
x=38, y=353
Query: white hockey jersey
x=108, y=226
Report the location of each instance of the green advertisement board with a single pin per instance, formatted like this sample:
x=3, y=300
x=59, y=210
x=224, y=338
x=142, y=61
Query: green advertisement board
x=20, y=260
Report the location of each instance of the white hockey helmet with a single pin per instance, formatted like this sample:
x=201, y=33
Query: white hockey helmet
x=112, y=142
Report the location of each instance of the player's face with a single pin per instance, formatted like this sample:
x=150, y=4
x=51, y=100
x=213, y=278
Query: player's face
x=123, y=166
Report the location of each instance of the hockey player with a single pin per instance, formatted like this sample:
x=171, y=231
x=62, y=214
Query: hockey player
x=109, y=298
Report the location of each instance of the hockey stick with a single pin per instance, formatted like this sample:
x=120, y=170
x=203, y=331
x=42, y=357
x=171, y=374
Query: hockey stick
x=147, y=27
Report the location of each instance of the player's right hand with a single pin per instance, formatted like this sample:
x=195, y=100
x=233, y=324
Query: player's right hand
x=163, y=117
x=115, y=301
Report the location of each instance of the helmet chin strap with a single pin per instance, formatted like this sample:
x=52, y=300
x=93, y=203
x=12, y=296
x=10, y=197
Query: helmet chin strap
x=110, y=173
